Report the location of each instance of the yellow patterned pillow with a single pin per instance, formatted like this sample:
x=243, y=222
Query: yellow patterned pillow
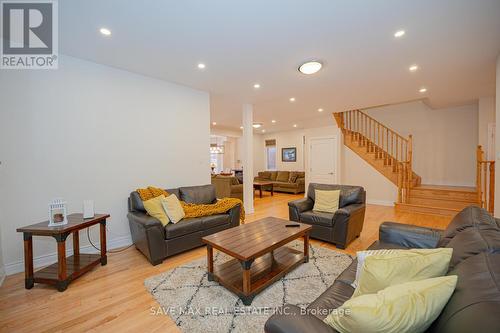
x=326, y=201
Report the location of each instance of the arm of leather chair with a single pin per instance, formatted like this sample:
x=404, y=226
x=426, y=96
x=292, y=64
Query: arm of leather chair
x=291, y=319
x=234, y=213
x=348, y=223
x=408, y=235
x=298, y=206
x=148, y=236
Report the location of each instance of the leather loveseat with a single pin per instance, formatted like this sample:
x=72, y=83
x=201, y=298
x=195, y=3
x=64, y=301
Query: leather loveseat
x=339, y=228
x=284, y=181
x=474, y=236
x=157, y=242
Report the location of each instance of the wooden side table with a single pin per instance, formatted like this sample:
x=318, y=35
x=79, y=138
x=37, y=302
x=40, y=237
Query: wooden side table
x=67, y=269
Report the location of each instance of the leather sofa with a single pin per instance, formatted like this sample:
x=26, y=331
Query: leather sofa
x=474, y=236
x=339, y=228
x=284, y=181
x=157, y=242
x=227, y=187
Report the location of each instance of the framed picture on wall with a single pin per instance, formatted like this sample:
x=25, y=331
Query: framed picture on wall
x=289, y=154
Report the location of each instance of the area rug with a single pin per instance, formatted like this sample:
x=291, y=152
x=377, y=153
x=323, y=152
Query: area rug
x=198, y=305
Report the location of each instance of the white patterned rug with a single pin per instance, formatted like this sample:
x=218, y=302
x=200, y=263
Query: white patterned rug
x=197, y=305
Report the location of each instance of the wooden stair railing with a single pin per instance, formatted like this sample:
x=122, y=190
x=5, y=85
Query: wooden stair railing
x=485, y=181
x=393, y=148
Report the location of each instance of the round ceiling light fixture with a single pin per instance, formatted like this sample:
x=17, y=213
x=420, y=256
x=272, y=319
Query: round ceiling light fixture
x=257, y=125
x=105, y=31
x=310, y=67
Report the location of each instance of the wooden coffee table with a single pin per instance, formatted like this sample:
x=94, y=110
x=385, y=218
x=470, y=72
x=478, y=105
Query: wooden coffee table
x=260, y=185
x=260, y=257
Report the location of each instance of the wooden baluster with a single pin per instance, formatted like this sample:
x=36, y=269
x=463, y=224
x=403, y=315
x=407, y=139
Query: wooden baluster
x=410, y=159
x=491, y=199
x=485, y=173
x=479, y=158
x=400, y=190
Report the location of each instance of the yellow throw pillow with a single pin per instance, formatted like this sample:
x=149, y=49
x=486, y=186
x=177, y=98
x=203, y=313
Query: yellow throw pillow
x=155, y=209
x=384, y=270
x=326, y=201
x=173, y=208
x=406, y=307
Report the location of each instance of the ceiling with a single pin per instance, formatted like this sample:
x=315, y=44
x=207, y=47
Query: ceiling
x=454, y=42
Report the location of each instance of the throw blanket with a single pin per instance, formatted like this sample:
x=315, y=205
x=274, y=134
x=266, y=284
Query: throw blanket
x=195, y=210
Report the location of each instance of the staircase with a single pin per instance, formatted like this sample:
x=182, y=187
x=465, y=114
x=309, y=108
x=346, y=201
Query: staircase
x=391, y=154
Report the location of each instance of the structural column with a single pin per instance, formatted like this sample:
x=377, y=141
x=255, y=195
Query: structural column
x=248, y=158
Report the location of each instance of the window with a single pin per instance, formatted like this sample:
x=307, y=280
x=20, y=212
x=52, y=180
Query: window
x=271, y=154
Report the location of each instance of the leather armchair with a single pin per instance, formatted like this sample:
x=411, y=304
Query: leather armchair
x=339, y=228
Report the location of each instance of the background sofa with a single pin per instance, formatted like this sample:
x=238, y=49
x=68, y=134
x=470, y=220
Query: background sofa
x=340, y=228
x=157, y=242
x=284, y=181
x=227, y=187
x=474, y=236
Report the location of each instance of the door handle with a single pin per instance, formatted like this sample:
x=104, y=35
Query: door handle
x=330, y=173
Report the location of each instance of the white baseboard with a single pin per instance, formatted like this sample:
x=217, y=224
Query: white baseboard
x=2, y=276
x=380, y=203
x=48, y=259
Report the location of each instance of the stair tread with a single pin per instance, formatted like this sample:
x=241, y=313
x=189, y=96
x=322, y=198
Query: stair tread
x=445, y=188
x=429, y=207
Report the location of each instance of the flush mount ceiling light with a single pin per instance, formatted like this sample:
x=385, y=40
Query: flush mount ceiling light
x=320, y=110
x=263, y=131
x=273, y=121
x=201, y=65
x=413, y=68
x=214, y=123
x=256, y=86
x=422, y=90
x=292, y=99
x=294, y=125
x=241, y=127
x=310, y=67
x=105, y=31
x=257, y=125
x=399, y=33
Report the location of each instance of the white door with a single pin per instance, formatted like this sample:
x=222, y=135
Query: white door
x=323, y=160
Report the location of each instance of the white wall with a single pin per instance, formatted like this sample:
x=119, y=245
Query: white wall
x=445, y=140
x=486, y=116
x=88, y=131
x=2, y=267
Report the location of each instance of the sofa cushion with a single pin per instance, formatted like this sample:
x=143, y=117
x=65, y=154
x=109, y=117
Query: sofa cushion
x=285, y=185
x=474, y=305
x=135, y=201
x=293, y=176
x=211, y=221
x=265, y=175
x=283, y=176
x=183, y=227
x=204, y=194
x=336, y=295
x=274, y=174
x=320, y=218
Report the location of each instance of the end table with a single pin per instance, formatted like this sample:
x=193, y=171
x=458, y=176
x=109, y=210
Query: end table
x=67, y=269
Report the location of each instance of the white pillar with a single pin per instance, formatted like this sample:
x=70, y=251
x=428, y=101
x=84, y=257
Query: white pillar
x=248, y=158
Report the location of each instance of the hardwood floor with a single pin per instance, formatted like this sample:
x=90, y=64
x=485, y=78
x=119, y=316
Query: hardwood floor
x=112, y=298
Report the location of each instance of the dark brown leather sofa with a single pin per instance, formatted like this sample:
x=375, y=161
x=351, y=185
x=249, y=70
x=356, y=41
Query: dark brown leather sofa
x=157, y=242
x=340, y=228
x=474, y=236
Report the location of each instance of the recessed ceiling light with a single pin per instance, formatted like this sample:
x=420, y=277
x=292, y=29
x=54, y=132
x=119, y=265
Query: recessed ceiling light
x=292, y=99
x=413, y=68
x=310, y=67
x=241, y=127
x=105, y=31
x=263, y=131
x=399, y=33
x=214, y=123
x=256, y=86
x=294, y=125
x=257, y=125
x=201, y=65
x=273, y=121
x=320, y=110
x=422, y=90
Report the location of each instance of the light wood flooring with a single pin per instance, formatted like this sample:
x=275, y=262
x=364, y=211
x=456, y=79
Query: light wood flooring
x=112, y=298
